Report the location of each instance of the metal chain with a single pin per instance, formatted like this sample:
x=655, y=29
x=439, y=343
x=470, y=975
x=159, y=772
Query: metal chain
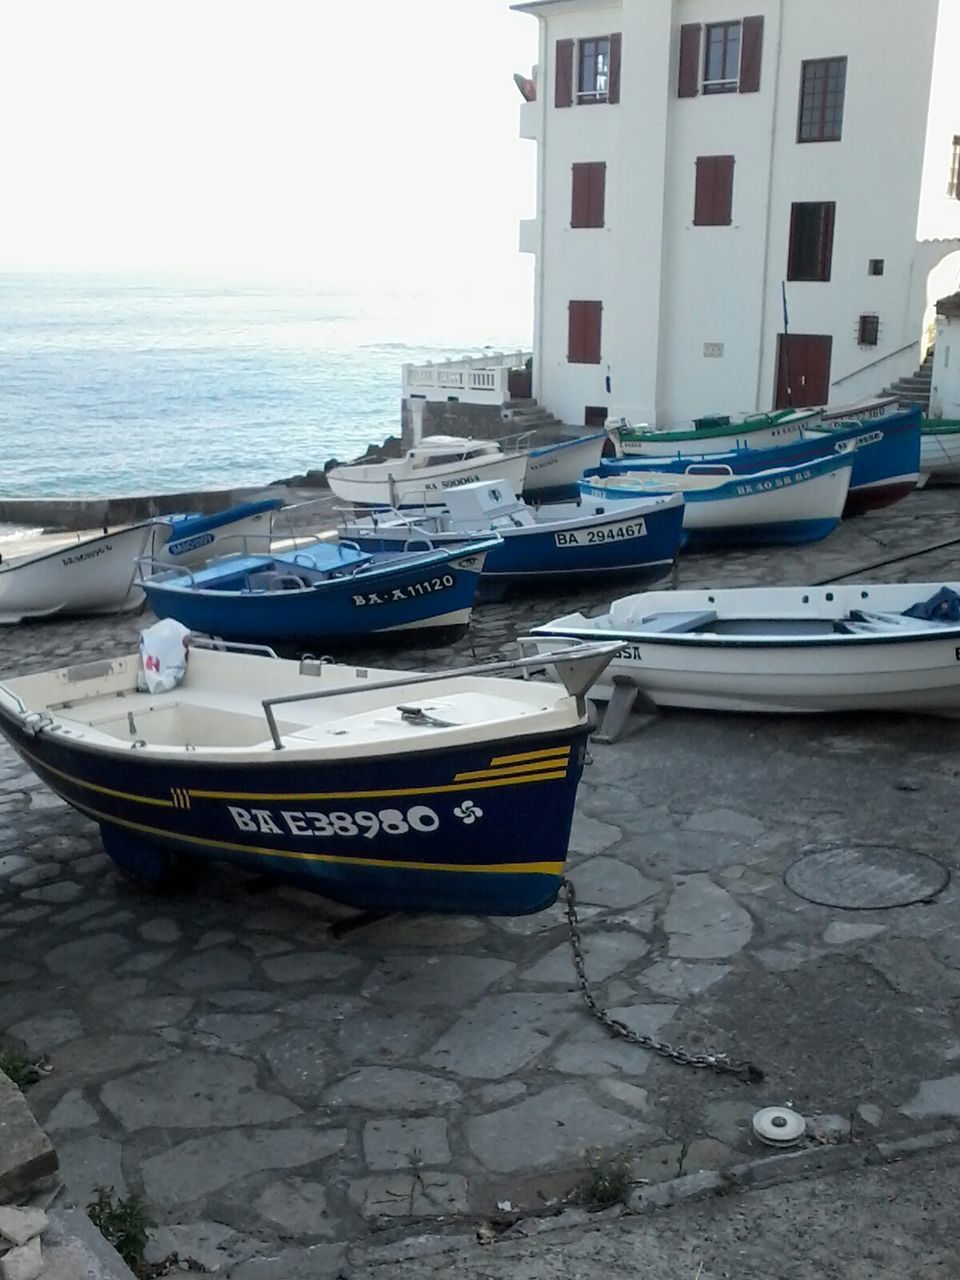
x=719, y=1062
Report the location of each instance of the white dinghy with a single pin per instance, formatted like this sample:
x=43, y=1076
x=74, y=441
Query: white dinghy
x=90, y=576
x=780, y=649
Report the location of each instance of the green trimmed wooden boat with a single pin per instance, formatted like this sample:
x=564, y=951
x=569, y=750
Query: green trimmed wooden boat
x=717, y=434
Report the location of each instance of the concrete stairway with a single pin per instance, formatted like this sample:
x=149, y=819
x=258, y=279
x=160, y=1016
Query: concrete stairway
x=523, y=416
x=914, y=389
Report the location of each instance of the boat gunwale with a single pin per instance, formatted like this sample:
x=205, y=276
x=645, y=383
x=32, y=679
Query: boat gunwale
x=712, y=640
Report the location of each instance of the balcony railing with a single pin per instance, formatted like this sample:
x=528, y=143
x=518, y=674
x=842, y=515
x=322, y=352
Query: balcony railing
x=475, y=380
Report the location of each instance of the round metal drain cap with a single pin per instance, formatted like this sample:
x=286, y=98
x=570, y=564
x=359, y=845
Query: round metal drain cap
x=779, y=1126
x=866, y=877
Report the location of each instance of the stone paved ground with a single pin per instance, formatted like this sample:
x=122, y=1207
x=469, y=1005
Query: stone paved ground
x=275, y=1091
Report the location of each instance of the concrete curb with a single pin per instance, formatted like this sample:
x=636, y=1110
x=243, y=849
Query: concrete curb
x=763, y=1171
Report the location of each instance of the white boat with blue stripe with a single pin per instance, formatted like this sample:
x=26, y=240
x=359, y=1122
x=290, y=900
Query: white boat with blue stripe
x=782, y=506
x=857, y=647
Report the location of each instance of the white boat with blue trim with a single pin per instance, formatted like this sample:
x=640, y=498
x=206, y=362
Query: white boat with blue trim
x=781, y=506
x=857, y=647
x=430, y=469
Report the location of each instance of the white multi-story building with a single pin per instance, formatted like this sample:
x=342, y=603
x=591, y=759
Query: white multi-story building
x=700, y=159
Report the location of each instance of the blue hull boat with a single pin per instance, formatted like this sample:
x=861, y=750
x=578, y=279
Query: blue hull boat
x=326, y=592
x=886, y=461
x=640, y=539
x=382, y=790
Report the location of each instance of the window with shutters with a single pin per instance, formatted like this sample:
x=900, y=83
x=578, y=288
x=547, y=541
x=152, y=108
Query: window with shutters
x=953, y=186
x=822, y=86
x=583, y=336
x=721, y=59
x=730, y=61
x=811, y=241
x=589, y=193
x=593, y=81
x=597, y=62
x=713, y=201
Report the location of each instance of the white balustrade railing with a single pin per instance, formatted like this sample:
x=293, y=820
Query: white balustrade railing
x=474, y=379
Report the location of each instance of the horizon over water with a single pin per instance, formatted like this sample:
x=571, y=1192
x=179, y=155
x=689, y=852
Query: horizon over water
x=118, y=385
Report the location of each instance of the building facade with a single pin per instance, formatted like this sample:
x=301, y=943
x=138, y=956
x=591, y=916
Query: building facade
x=739, y=204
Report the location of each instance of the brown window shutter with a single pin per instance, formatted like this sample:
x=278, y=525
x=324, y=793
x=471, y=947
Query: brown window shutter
x=613, y=84
x=826, y=240
x=751, y=54
x=689, y=77
x=722, y=191
x=580, y=202
x=575, y=333
x=703, y=198
x=598, y=193
x=588, y=192
x=594, y=313
x=583, y=340
x=563, y=89
x=713, y=201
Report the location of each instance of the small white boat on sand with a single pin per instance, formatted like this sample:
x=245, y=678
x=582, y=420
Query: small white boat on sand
x=780, y=649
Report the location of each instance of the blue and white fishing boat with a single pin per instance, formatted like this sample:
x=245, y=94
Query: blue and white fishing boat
x=328, y=591
x=383, y=790
x=93, y=575
x=886, y=464
x=781, y=506
x=539, y=544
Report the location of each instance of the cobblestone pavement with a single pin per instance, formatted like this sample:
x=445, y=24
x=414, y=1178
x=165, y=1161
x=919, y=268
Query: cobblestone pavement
x=279, y=1093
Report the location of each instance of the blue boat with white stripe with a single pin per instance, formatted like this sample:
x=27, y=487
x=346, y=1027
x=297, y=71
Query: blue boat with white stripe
x=886, y=462
x=607, y=537
x=328, y=591
x=781, y=506
x=384, y=790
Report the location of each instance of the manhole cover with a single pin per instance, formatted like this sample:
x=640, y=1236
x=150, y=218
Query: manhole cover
x=866, y=877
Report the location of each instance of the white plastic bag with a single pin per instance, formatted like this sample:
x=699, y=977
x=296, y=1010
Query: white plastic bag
x=163, y=656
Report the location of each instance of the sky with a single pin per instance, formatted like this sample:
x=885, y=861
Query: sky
x=363, y=147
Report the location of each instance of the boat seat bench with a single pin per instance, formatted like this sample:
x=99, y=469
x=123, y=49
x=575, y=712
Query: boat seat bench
x=677, y=622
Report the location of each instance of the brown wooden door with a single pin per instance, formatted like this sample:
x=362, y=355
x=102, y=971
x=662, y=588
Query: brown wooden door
x=803, y=370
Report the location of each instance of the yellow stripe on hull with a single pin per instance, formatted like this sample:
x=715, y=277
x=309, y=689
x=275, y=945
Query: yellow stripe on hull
x=512, y=770
x=477, y=780
x=531, y=755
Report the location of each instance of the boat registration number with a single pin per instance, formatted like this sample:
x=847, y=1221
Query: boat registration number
x=766, y=486
x=368, y=823
x=605, y=533
x=410, y=592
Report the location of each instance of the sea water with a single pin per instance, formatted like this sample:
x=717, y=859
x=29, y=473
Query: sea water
x=121, y=386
